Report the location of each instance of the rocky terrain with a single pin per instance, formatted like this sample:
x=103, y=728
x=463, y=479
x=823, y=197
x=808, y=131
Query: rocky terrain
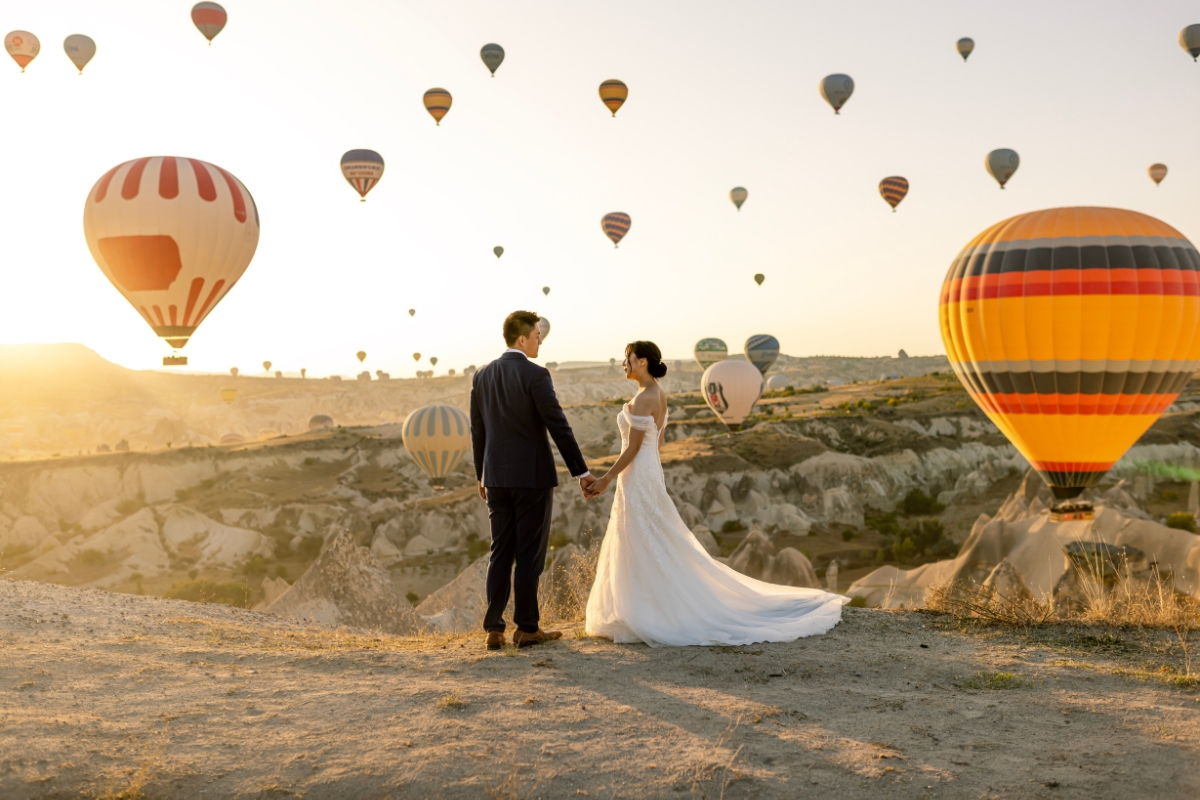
x=878, y=475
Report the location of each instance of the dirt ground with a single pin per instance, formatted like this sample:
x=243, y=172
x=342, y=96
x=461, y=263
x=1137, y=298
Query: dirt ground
x=116, y=695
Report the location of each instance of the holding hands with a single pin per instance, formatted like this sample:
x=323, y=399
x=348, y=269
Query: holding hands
x=598, y=487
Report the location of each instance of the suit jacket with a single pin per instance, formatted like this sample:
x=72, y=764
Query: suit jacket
x=513, y=405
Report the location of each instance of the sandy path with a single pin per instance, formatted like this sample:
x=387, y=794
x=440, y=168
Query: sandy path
x=111, y=693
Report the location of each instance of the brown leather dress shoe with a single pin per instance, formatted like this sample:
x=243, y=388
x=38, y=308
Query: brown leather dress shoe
x=523, y=639
x=495, y=640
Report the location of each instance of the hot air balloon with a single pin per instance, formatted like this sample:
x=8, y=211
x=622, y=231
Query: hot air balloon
x=709, y=352
x=836, y=89
x=437, y=437
x=615, y=226
x=209, y=19
x=267, y=433
x=416, y=356
x=233, y=371
x=278, y=373
x=543, y=328
x=761, y=350
x=498, y=250
x=23, y=46
x=964, y=46
x=361, y=355
x=320, y=422
x=778, y=382
x=266, y=366
x=362, y=169
x=232, y=438
x=228, y=394
x=1001, y=164
x=893, y=190
x=546, y=290
x=731, y=388
x=759, y=278
x=1073, y=329
x=738, y=195
x=173, y=235
x=493, y=57
x=80, y=49
x=303, y=372
x=1189, y=40
x=433, y=361
x=412, y=312
x=437, y=103
x=1157, y=173
x=613, y=94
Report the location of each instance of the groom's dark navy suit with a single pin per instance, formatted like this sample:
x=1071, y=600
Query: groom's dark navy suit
x=513, y=406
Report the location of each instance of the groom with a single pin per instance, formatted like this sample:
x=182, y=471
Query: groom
x=512, y=407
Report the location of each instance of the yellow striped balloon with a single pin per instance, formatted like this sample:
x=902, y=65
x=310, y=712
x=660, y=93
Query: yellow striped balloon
x=1157, y=173
x=893, y=190
x=613, y=94
x=228, y=394
x=1074, y=329
x=437, y=437
x=437, y=103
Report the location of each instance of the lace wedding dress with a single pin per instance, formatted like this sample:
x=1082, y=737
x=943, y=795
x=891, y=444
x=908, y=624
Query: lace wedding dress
x=656, y=584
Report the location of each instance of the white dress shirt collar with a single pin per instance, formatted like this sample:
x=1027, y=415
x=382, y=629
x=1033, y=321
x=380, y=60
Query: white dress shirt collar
x=515, y=350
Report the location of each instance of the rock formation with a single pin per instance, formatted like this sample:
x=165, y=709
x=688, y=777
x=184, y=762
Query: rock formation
x=756, y=557
x=346, y=585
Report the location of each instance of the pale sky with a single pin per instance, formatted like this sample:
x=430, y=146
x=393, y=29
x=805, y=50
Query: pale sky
x=721, y=94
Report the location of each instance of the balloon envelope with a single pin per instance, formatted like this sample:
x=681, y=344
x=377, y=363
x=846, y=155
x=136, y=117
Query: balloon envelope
x=738, y=195
x=209, y=19
x=412, y=312
x=546, y=290
x=1157, y=173
x=437, y=103
x=232, y=438
x=493, y=57
x=709, y=352
x=152, y=225
x=416, y=356
x=362, y=169
x=1073, y=329
x=615, y=226
x=80, y=49
x=759, y=278
x=233, y=371
x=23, y=46
x=731, y=388
x=964, y=46
x=228, y=394
x=266, y=366
x=361, y=355
x=320, y=422
x=1001, y=164
x=498, y=250
x=433, y=361
x=761, y=350
x=544, y=328
x=1189, y=40
x=777, y=382
x=613, y=94
x=836, y=89
x=437, y=437
x=893, y=190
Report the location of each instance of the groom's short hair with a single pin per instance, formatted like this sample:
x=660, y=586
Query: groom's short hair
x=518, y=324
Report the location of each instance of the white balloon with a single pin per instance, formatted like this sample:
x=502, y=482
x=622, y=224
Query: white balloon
x=731, y=388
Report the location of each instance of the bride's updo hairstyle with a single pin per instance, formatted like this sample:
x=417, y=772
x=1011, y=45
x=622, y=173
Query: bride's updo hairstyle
x=650, y=352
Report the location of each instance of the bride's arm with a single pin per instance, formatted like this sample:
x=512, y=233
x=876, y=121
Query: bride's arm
x=636, y=437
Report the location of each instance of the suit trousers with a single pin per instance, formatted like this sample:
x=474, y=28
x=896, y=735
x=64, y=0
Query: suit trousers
x=520, y=520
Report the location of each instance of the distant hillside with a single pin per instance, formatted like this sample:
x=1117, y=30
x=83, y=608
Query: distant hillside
x=63, y=378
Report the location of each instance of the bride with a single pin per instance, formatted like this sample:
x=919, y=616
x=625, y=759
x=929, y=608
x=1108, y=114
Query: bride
x=654, y=582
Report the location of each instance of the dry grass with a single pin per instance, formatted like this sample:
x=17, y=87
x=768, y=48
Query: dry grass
x=453, y=702
x=1145, y=602
x=996, y=681
x=570, y=585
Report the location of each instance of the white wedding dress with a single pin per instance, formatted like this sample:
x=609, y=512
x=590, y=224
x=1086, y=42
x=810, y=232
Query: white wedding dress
x=656, y=584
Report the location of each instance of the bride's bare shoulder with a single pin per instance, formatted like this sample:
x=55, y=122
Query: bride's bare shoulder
x=643, y=404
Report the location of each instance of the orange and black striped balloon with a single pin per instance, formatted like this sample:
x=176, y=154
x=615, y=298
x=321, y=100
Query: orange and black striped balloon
x=613, y=94
x=1074, y=329
x=437, y=103
x=893, y=190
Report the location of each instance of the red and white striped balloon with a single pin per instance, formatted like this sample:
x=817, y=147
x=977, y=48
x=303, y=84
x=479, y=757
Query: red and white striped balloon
x=173, y=235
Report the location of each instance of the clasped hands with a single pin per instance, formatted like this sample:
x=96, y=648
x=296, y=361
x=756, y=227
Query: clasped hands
x=591, y=486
